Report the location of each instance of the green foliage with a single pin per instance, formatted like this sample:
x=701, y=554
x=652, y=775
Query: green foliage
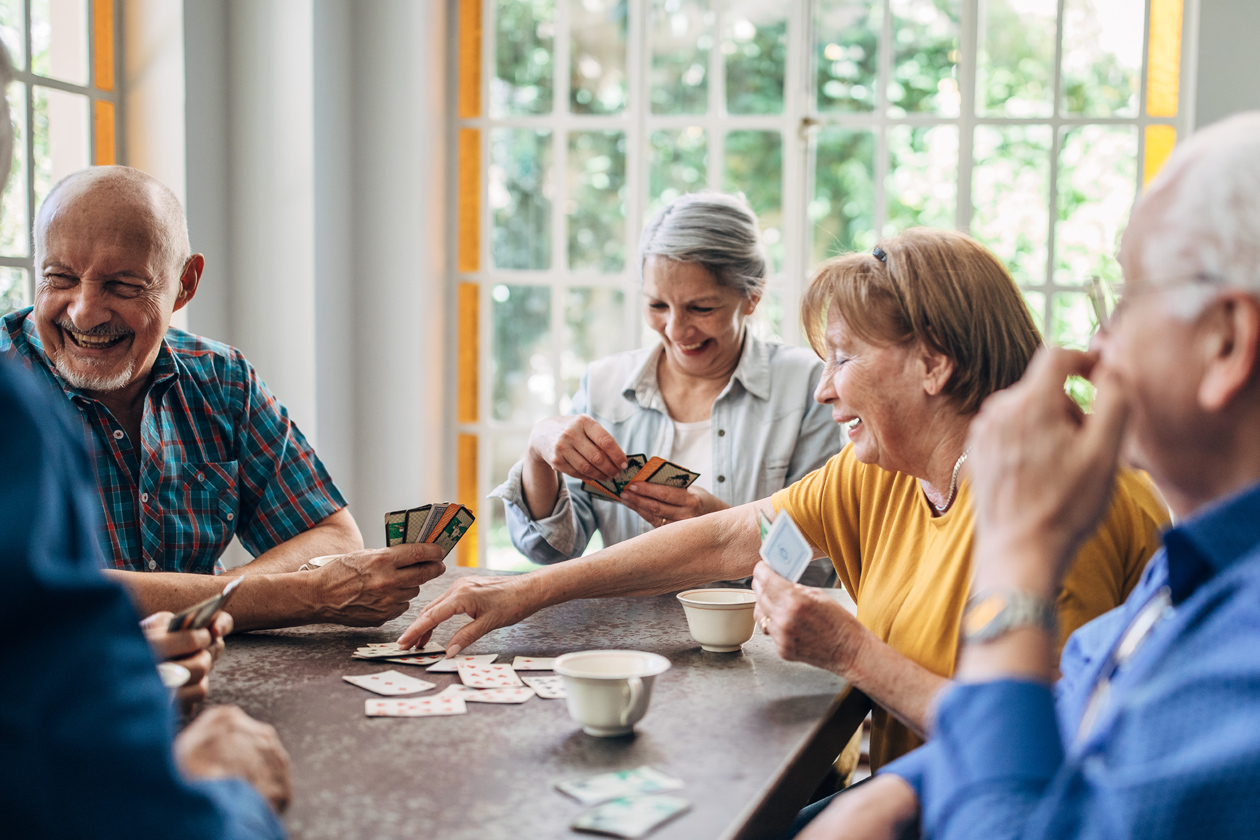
x=756, y=69
x=524, y=36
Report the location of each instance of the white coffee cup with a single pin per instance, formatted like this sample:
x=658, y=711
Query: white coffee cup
x=721, y=620
x=608, y=690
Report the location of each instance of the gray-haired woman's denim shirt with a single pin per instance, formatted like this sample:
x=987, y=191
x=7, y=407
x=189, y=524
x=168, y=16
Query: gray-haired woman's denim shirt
x=767, y=433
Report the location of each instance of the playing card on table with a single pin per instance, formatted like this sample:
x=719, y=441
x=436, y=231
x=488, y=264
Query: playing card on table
x=390, y=683
x=631, y=817
x=412, y=660
x=486, y=675
x=533, y=663
x=395, y=527
x=604, y=786
x=417, y=707
x=548, y=688
x=450, y=666
x=660, y=471
x=613, y=487
x=786, y=549
x=386, y=650
x=452, y=530
x=519, y=694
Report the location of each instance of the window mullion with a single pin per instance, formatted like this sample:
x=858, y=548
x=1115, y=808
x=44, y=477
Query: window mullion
x=969, y=39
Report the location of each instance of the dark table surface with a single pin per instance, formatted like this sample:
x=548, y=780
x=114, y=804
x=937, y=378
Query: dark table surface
x=748, y=732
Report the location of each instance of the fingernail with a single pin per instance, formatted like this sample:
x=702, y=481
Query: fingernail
x=625, y=464
x=453, y=651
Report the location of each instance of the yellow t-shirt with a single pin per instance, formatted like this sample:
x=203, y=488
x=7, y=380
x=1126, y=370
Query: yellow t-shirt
x=910, y=571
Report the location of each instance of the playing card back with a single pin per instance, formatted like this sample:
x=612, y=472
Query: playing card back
x=604, y=786
x=460, y=520
x=660, y=471
x=631, y=817
x=786, y=549
x=395, y=527
x=613, y=488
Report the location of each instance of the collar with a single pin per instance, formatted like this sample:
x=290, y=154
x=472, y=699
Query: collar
x=1211, y=541
x=752, y=372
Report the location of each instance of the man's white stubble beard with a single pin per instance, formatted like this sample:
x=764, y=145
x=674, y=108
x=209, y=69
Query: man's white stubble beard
x=97, y=382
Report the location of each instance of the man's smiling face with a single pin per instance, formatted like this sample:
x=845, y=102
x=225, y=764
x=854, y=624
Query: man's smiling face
x=107, y=285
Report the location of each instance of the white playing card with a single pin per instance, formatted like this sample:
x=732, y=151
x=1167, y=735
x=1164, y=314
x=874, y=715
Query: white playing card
x=786, y=549
x=533, y=663
x=548, y=688
x=415, y=660
x=390, y=683
x=450, y=666
x=518, y=694
x=384, y=650
x=417, y=707
x=479, y=675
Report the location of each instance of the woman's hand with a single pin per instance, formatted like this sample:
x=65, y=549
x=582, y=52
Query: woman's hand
x=885, y=808
x=806, y=624
x=196, y=650
x=491, y=603
x=576, y=446
x=661, y=505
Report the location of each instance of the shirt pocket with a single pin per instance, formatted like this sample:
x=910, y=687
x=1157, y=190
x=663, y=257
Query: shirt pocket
x=212, y=492
x=773, y=475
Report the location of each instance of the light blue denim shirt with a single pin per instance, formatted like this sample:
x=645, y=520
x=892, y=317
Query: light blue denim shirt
x=767, y=433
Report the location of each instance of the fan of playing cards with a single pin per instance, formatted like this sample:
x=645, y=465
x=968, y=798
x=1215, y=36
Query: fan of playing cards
x=639, y=468
x=442, y=523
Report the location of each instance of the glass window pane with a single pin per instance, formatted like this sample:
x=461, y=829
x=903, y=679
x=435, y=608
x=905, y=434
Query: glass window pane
x=842, y=212
x=922, y=177
x=1017, y=57
x=13, y=286
x=1102, y=56
x=754, y=167
x=677, y=163
x=925, y=58
x=1010, y=194
x=681, y=37
x=1036, y=302
x=505, y=450
x=1097, y=183
x=846, y=39
x=15, y=227
x=597, y=200
x=13, y=30
x=522, y=379
x=767, y=321
x=754, y=48
x=59, y=40
x=594, y=327
x=61, y=137
x=597, y=72
x=520, y=189
x=1072, y=320
x=524, y=44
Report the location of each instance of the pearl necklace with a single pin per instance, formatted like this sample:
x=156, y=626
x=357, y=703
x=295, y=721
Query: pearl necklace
x=953, y=483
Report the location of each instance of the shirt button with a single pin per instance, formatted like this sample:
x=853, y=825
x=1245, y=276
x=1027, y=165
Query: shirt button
x=201, y=476
x=721, y=478
x=721, y=432
x=152, y=565
x=231, y=516
x=144, y=497
x=118, y=434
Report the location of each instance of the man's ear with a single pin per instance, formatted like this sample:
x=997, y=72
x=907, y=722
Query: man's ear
x=188, y=280
x=1231, y=342
x=937, y=369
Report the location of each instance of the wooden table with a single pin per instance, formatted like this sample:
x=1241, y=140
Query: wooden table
x=750, y=734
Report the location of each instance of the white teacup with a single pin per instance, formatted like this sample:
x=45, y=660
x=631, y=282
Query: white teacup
x=721, y=620
x=608, y=690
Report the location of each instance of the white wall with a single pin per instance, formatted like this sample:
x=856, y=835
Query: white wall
x=1228, y=71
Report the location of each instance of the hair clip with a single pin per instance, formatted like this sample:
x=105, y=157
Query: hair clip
x=880, y=254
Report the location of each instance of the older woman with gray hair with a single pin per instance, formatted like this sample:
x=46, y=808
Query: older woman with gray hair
x=711, y=397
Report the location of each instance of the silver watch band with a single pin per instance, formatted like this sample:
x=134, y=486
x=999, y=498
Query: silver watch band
x=994, y=613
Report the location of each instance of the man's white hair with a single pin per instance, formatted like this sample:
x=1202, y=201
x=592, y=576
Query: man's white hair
x=1209, y=191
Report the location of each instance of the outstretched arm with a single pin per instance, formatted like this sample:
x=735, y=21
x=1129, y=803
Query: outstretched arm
x=335, y=534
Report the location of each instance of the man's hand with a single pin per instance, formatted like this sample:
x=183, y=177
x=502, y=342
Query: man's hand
x=491, y=603
x=885, y=808
x=224, y=742
x=660, y=505
x=806, y=624
x=369, y=588
x=1042, y=472
x=576, y=446
x=196, y=650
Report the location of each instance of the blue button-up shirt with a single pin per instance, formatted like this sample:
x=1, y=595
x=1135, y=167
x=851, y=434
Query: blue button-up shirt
x=218, y=457
x=1174, y=752
x=768, y=432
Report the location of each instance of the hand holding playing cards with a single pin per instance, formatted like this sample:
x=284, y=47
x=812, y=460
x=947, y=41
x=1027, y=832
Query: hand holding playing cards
x=369, y=588
x=806, y=624
x=224, y=742
x=661, y=504
x=491, y=603
x=196, y=650
x=576, y=446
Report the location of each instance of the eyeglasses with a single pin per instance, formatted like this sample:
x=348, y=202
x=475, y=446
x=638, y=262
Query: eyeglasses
x=1098, y=294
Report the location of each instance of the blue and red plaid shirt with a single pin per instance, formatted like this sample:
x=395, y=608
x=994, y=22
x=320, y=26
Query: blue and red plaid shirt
x=219, y=457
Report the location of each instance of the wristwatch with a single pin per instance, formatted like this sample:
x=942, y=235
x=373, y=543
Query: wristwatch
x=991, y=614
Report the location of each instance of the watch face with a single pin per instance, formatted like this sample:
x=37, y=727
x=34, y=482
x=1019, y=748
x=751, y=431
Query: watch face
x=982, y=613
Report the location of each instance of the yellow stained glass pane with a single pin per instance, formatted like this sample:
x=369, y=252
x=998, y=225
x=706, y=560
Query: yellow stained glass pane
x=104, y=132
x=1163, y=74
x=469, y=200
x=103, y=43
x=469, y=59
x=469, y=350
x=467, y=493
x=1160, y=140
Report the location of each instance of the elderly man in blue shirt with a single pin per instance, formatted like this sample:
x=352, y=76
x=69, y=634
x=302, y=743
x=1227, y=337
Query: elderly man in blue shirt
x=1152, y=730
x=191, y=448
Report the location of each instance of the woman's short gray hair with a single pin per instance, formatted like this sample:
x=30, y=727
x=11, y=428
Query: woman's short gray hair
x=716, y=230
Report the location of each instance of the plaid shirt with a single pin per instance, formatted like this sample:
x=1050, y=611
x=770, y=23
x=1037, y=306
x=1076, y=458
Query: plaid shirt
x=219, y=458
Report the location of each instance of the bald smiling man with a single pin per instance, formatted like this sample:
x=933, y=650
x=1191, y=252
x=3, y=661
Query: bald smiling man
x=191, y=448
